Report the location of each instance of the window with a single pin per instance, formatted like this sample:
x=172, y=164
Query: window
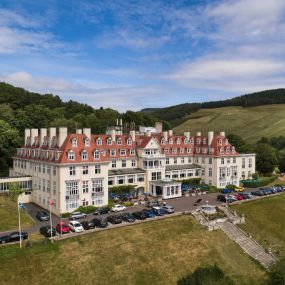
x=156, y=175
x=178, y=141
x=210, y=172
x=97, y=168
x=85, y=169
x=175, y=175
x=227, y=150
x=129, y=141
x=219, y=141
x=96, y=154
x=243, y=163
x=140, y=177
x=189, y=150
x=170, y=141
x=181, y=150
x=250, y=162
x=48, y=186
x=54, y=170
x=70, y=155
x=112, y=152
x=228, y=160
x=120, y=179
x=174, y=150
x=54, y=187
x=85, y=185
x=131, y=179
x=84, y=155
x=221, y=150
x=44, y=168
x=109, y=141
x=203, y=172
x=119, y=141
x=182, y=160
x=87, y=142
x=228, y=171
x=114, y=163
x=111, y=181
x=163, y=141
x=222, y=161
x=44, y=185
x=167, y=160
x=189, y=159
x=233, y=149
x=99, y=141
x=210, y=160
x=71, y=188
x=124, y=163
x=132, y=152
x=122, y=152
x=203, y=159
x=234, y=160
x=191, y=141
x=74, y=142
x=133, y=163
x=48, y=169
x=204, y=141
x=97, y=185
x=72, y=170
x=175, y=160
x=198, y=141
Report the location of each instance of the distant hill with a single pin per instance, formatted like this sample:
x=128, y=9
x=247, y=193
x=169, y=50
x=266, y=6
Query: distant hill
x=175, y=115
x=251, y=123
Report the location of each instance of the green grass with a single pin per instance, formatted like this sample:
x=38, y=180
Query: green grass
x=265, y=221
x=251, y=123
x=159, y=252
x=9, y=215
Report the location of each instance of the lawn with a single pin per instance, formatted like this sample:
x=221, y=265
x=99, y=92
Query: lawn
x=159, y=252
x=251, y=123
x=265, y=221
x=9, y=215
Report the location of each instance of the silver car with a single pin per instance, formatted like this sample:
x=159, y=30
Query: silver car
x=77, y=215
x=168, y=209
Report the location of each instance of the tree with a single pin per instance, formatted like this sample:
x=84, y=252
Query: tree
x=266, y=159
x=240, y=144
x=14, y=191
x=210, y=275
x=277, y=274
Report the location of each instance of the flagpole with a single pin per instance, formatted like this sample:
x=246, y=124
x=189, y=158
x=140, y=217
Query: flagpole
x=19, y=216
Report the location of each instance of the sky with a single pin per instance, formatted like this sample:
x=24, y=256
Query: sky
x=130, y=55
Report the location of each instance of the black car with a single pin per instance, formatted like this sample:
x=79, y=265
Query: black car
x=222, y=198
x=15, y=236
x=88, y=225
x=114, y=219
x=257, y=193
x=47, y=232
x=42, y=216
x=100, y=222
x=128, y=217
x=102, y=210
x=140, y=215
x=158, y=211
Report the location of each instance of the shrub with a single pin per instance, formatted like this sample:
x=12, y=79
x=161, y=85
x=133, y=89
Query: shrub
x=191, y=181
x=262, y=181
x=86, y=209
x=65, y=215
x=110, y=204
x=231, y=187
x=128, y=204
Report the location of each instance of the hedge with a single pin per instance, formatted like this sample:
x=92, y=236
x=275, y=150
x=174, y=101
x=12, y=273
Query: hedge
x=191, y=181
x=86, y=209
x=262, y=181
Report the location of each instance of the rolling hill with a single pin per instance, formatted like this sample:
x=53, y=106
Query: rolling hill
x=251, y=123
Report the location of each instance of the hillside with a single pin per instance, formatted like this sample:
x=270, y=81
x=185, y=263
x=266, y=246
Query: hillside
x=251, y=123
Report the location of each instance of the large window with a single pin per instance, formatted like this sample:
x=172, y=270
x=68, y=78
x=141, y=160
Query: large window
x=70, y=155
x=133, y=163
x=111, y=181
x=156, y=175
x=124, y=163
x=97, y=185
x=243, y=163
x=85, y=169
x=71, y=188
x=114, y=163
x=140, y=177
x=121, y=180
x=84, y=155
x=122, y=152
x=85, y=186
x=96, y=154
x=210, y=172
x=72, y=170
x=131, y=179
x=167, y=161
x=97, y=168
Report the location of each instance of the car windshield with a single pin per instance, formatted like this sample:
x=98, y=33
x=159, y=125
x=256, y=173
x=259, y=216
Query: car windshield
x=77, y=225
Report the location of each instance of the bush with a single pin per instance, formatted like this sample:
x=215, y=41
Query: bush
x=128, y=204
x=86, y=209
x=210, y=275
x=110, y=204
x=277, y=274
x=65, y=215
x=231, y=187
x=263, y=181
x=213, y=189
x=191, y=181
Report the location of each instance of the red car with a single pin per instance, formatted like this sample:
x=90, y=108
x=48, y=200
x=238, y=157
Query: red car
x=62, y=228
x=239, y=197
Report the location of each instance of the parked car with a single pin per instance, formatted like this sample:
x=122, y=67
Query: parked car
x=226, y=191
x=77, y=215
x=231, y=198
x=62, y=228
x=114, y=219
x=47, y=231
x=239, y=189
x=149, y=213
x=239, y=197
x=140, y=215
x=118, y=208
x=128, y=217
x=168, y=209
x=158, y=211
x=15, y=236
x=76, y=227
x=153, y=203
x=42, y=216
x=88, y=225
x=257, y=193
x=21, y=205
x=102, y=210
x=100, y=222
x=246, y=196
x=221, y=198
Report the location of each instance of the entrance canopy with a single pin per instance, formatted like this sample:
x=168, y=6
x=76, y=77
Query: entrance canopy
x=165, y=188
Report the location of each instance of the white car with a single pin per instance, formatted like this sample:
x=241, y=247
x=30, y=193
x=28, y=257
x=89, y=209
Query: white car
x=118, y=208
x=76, y=227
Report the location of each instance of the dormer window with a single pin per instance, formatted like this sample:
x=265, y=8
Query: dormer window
x=84, y=155
x=191, y=141
x=204, y=140
x=99, y=141
x=129, y=141
x=185, y=141
x=181, y=150
x=219, y=141
x=189, y=150
x=70, y=155
x=178, y=141
x=163, y=141
x=198, y=150
x=132, y=151
x=227, y=150
x=87, y=142
x=74, y=142
x=171, y=141
x=112, y=152
x=119, y=141
x=221, y=150
x=109, y=141
x=103, y=152
x=166, y=150
x=198, y=141
x=233, y=149
x=122, y=152
x=174, y=150
x=96, y=154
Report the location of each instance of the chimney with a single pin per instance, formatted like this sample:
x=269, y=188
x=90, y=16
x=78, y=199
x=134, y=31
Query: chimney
x=117, y=122
x=133, y=135
x=165, y=135
x=158, y=127
x=34, y=134
x=198, y=134
x=187, y=135
x=121, y=122
x=52, y=133
x=62, y=136
x=43, y=134
x=210, y=137
x=78, y=131
x=27, y=135
x=222, y=134
x=87, y=132
x=148, y=133
x=170, y=132
x=113, y=135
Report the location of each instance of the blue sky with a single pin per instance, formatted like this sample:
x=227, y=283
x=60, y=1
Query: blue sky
x=138, y=54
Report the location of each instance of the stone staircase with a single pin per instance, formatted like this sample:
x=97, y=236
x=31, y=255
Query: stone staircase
x=199, y=217
x=250, y=246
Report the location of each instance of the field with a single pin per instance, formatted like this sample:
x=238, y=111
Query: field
x=265, y=221
x=251, y=123
x=9, y=215
x=158, y=252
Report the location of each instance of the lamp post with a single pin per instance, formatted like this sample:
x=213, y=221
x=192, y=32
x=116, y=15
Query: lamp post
x=19, y=216
x=50, y=204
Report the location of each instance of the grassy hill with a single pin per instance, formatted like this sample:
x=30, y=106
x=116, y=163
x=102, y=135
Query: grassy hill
x=251, y=123
x=159, y=252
